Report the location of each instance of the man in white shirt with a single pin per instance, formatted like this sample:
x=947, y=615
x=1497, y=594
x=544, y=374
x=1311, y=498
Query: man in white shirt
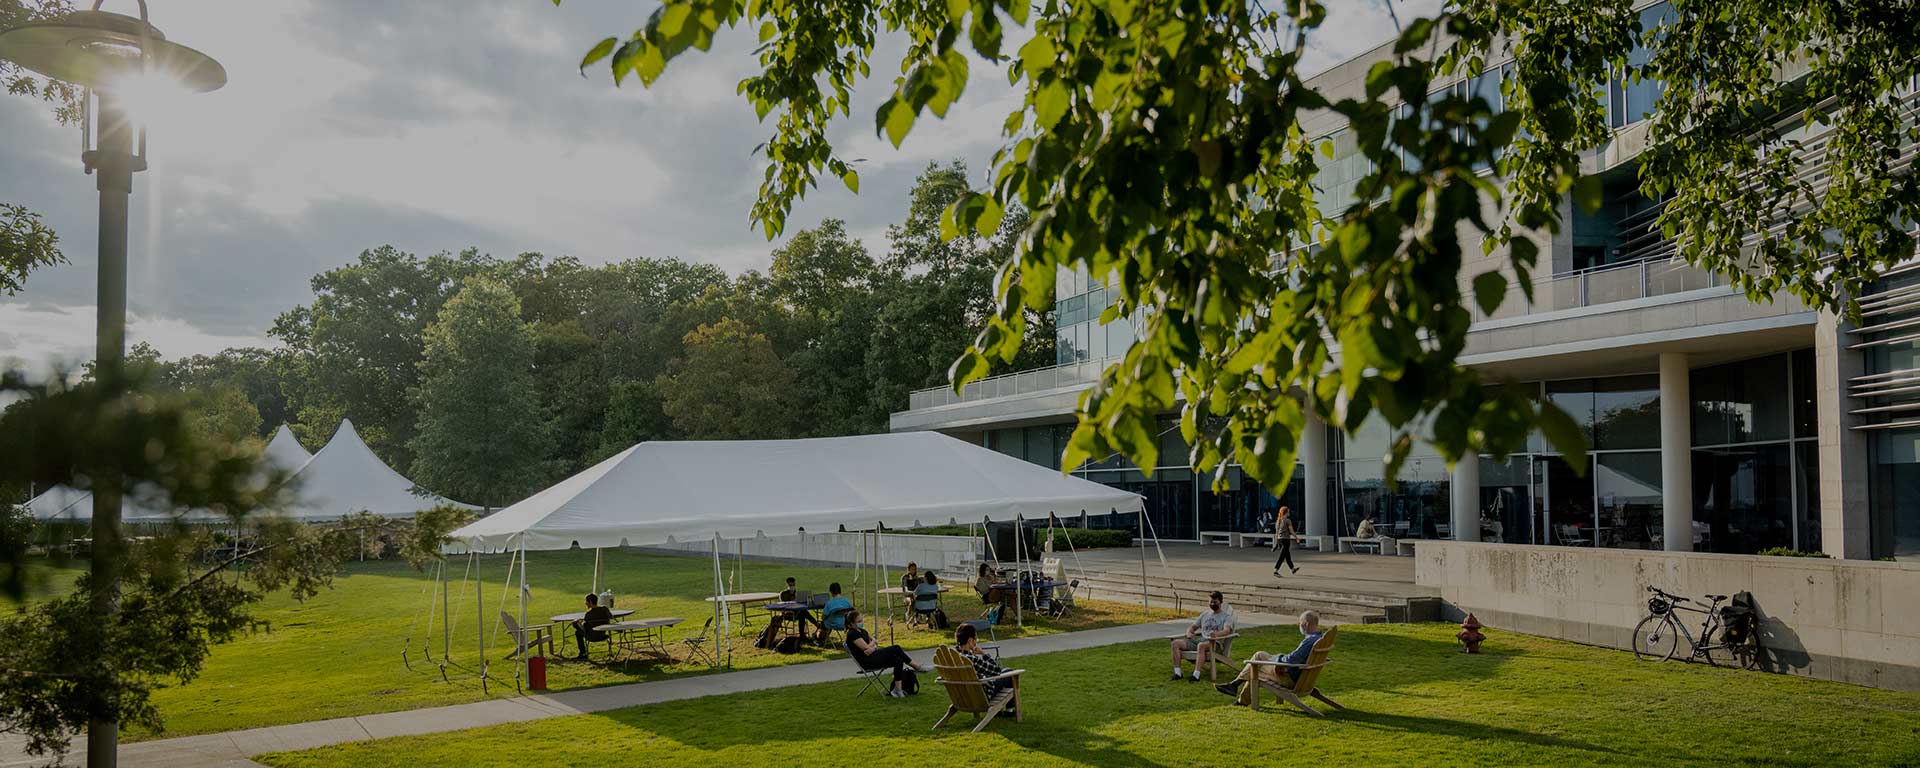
x=1215, y=623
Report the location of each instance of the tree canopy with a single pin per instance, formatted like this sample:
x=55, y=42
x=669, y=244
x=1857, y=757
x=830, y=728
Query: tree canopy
x=483, y=433
x=1160, y=146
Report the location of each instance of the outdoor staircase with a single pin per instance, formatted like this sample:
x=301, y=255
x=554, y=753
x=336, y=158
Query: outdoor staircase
x=1191, y=597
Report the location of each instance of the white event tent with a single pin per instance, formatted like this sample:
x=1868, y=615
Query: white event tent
x=284, y=451
x=346, y=477
x=660, y=492
x=63, y=502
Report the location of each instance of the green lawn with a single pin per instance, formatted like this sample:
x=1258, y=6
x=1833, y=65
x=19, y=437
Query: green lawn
x=1412, y=699
x=338, y=654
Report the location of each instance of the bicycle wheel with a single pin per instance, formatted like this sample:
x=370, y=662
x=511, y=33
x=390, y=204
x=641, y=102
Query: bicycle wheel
x=1655, y=638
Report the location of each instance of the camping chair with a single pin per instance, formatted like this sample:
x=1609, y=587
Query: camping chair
x=827, y=622
x=1222, y=652
x=530, y=636
x=921, y=608
x=1063, y=599
x=968, y=693
x=880, y=676
x=697, y=645
x=1309, y=675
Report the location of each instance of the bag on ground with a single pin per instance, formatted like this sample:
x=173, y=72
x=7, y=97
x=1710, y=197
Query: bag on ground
x=909, y=682
x=788, y=644
x=939, y=619
x=769, y=636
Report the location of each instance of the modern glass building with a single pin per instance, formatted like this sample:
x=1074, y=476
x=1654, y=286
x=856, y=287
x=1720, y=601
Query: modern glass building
x=1716, y=423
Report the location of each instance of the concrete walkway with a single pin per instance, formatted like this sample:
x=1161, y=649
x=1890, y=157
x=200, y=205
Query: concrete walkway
x=233, y=748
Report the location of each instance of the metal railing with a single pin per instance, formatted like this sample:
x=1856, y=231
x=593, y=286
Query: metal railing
x=1008, y=384
x=1599, y=285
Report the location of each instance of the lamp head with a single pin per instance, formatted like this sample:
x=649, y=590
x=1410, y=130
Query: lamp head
x=105, y=51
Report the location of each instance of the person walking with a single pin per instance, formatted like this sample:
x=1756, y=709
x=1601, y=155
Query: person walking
x=1283, y=541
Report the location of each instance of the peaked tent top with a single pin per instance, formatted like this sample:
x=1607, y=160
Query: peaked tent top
x=656, y=491
x=346, y=477
x=285, y=452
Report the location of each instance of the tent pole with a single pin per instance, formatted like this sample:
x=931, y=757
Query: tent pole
x=1145, y=602
x=884, y=576
x=720, y=605
x=596, y=570
x=520, y=672
x=479, y=615
x=446, y=613
x=1020, y=572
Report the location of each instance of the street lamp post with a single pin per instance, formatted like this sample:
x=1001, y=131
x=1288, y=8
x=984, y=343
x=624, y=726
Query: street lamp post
x=109, y=55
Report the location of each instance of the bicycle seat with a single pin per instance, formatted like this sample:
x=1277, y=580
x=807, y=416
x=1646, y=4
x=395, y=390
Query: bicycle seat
x=1716, y=598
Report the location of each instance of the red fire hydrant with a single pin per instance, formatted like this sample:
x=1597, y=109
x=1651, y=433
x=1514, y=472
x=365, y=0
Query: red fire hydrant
x=1470, y=634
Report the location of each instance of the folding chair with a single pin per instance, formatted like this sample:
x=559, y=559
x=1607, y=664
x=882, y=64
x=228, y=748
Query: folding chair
x=697, y=645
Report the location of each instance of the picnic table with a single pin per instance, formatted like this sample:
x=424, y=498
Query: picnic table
x=643, y=634
x=565, y=621
x=744, y=600
x=795, y=628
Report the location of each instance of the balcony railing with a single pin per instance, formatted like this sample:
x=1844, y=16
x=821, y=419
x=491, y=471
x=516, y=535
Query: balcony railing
x=1009, y=384
x=1600, y=285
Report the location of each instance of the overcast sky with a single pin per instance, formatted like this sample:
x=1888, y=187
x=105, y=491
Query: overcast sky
x=435, y=126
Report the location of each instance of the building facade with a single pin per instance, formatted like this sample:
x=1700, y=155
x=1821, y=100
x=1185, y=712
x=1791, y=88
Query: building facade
x=1716, y=423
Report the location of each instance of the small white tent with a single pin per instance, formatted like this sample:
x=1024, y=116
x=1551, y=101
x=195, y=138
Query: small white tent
x=285, y=452
x=657, y=491
x=346, y=477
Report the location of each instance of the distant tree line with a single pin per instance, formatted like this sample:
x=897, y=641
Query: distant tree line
x=486, y=378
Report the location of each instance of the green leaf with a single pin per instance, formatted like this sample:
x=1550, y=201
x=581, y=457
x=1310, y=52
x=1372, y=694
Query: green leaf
x=600, y=51
x=1489, y=288
x=1037, y=54
x=1050, y=104
x=971, y=366
x=1564, y=434
x=990, y=216
x=1589, y=192
x=895, y=118
x=852, y=179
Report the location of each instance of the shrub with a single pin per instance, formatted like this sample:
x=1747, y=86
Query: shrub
x=1785, y=552
x=1083, y=538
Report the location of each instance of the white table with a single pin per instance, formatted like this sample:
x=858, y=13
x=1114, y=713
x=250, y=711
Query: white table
x=744, y=600
x=649, y=634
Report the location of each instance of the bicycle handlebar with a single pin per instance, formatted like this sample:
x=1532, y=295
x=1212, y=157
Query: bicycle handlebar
x=1668, y=595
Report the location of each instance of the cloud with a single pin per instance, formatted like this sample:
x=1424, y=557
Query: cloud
x=348, y=124
x=44, y=338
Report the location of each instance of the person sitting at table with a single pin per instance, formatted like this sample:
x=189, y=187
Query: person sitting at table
x=990, y=592
x=926, y=596
x=966, y=640
x=910, y=579
x=791, y=595
x=586, y=628
x=869, y=655
x=833, y=616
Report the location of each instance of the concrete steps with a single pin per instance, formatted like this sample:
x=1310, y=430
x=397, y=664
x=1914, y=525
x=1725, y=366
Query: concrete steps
x=1191, y=596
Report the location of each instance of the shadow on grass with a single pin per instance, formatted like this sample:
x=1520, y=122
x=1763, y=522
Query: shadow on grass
x=1435, y=726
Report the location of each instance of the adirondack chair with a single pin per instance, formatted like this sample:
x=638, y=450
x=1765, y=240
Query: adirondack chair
x=969, y=693
x=1309, y=676
x=1222, y=653
x=531, y=636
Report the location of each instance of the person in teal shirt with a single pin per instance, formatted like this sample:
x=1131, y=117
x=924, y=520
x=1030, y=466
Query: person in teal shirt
x=833, y=616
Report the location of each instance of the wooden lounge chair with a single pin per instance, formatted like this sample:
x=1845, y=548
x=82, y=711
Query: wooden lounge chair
x=1305, y=686
x=1222, y=653
x=969, y=693
x=531, y=636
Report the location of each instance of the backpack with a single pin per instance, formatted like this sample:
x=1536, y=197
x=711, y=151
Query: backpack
x=993, y=615
x=939, y=619
x=909, y=682
x=788, y=644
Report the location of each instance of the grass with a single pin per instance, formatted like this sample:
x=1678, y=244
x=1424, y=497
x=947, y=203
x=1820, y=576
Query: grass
x=339, y=654
x=1412, y=699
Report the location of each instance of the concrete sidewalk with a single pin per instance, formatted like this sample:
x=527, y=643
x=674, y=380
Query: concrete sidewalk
x=235, y=747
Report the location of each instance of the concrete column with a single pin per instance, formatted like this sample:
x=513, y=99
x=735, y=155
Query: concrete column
x=1313, y=460
x=1676, y=452
x=1466, y=498
x=1845, y=518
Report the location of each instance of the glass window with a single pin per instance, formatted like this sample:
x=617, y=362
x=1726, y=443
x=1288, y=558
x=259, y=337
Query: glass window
x=1009, y=442
x=1073, y=310
x=1063, y=349
x=1575, y=396
x=1173, y=448
x=1626, y=412
x=1743, y=402
x=1096, y=342
x=1743, y=498
x=1564, y=500
x=1371, y=441
x=1040, y=448
x=1627, y=495
x=1505, y=500
x=1246, y=506
x=1807, y=463
x=1895, y=494
x=1805, y=422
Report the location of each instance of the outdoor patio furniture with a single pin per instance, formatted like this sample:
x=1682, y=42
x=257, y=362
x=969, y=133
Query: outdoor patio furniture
x=1570, y=536
x=968, y=693
x=1224, y=537
x=1306, y=685
x=530, y=636
x=1222, y=651
x=697, y=645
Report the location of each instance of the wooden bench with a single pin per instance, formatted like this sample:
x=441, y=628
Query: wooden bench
x=1226, y=537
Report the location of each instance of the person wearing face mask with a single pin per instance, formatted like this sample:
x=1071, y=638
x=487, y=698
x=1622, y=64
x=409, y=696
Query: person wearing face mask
x=1203, y=634
x=1310, y=632
x=869, y=655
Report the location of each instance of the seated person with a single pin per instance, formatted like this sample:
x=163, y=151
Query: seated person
x=989, y=590
x=926, y=596
x=911, y=578
x=833, y=616
x=1365, y=531
x=1281, y=676
x=584, y=628
x=966, y=640
x=1214, y=623
x=870, y=655
x=803, y=616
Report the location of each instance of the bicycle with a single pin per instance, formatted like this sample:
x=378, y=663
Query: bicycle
x=1657, y=637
